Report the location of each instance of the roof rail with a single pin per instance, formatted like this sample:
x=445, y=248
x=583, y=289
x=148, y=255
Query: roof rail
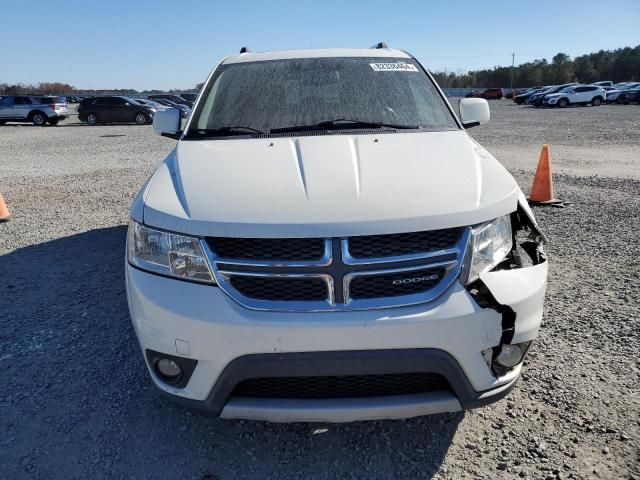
x=380, y=45
x=245, y=50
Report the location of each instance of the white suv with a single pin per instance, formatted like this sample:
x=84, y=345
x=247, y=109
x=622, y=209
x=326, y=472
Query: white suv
x=327, y=243
x=576, y=95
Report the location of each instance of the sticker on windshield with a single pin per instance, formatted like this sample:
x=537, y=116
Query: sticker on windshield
x=393, y=67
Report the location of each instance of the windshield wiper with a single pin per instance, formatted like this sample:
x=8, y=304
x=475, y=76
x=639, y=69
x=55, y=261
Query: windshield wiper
x=222, y=131
x=342, y=123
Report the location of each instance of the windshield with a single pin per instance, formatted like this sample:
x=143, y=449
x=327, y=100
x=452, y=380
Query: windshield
x=294, y=93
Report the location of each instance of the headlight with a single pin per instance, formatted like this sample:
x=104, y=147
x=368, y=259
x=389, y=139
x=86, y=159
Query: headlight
x=167, y=254
x=490, y=243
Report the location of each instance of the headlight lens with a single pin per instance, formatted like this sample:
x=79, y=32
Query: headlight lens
x=490, y=243
x=167, y=253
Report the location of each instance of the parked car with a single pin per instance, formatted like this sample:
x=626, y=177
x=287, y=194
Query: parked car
x=112, y=109
x=313, y=250
x=189, y=96
x=33, y=109
x=612, y=95
x=488, y=94
x=524, y=96
x=150, y=103
x=172, y=98
x=630, y=95
x=184, y=110
x=157, y=104
x=576, y=95
x=537, y=99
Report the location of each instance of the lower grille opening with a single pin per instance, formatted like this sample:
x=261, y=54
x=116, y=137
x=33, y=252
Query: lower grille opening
x=346, y=386
x=281, y=289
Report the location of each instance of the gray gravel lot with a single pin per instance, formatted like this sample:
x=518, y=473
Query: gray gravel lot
x=77, y=402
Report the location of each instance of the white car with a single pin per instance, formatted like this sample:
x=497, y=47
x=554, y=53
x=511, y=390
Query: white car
x=327, y=243
x=576, y=95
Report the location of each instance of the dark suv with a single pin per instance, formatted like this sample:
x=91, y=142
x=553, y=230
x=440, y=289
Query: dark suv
x=114, y=109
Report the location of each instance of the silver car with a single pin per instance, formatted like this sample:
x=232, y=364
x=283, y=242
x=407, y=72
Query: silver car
x=32, y=109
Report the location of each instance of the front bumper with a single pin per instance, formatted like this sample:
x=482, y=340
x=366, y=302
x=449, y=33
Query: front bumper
x=231, y=342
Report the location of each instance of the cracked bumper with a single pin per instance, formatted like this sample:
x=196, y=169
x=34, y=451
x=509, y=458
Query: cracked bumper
x=202, y=323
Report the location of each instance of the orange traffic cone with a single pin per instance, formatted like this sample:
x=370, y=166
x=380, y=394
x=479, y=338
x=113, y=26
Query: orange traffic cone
x=4, y=211
x=542, y=189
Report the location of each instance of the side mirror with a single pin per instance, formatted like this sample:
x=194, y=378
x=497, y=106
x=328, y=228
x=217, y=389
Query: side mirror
x=474, y=112
x=166, y=122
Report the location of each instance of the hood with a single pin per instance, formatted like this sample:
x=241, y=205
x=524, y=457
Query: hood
x=327, y=185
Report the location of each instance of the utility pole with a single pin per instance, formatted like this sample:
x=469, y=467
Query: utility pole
x=513, y=62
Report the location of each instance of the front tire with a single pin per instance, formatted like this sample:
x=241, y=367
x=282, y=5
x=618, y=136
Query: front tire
x=563, y=103
x=39, y=119
x=141, y=119
x=92, y=119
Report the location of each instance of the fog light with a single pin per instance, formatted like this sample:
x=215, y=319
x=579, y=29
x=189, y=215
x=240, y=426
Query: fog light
x=511, y=355
x=168, y=369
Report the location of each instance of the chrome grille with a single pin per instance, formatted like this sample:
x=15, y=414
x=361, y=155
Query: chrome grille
x=311, y=274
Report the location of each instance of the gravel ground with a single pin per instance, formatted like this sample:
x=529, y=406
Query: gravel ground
x=77, y=402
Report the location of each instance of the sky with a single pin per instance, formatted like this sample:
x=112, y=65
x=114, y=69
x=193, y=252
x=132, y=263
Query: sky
x=164, y=44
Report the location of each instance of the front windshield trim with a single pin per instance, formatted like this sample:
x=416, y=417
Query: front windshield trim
x=192, y=125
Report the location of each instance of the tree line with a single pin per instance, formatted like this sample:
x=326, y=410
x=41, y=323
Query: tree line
x=58, y=88
x=619, y=65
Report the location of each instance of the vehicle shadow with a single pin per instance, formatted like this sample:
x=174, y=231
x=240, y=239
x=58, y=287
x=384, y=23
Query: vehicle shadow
x=77, y=401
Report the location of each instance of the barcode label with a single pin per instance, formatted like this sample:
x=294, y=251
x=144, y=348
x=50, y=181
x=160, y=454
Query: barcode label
x=393, y=67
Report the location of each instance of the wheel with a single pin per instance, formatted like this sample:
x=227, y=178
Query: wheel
x=562, y=103
x=596, y=102
x=92, y=119
x=141, y=118
x=39, y=119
